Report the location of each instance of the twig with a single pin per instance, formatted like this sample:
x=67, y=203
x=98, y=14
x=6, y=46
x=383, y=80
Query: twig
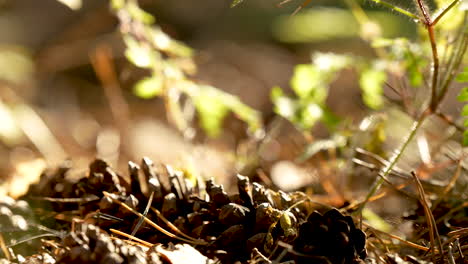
x=427, y=21
x=140, y=221
x=436, y=20
x=4, y=248
x=172, y=226
x=397, y=9
x=456, y=58
x=131, y=237
x=153, y=224
x=394, y=159
x=433, y=232
x=409, y=243
x=68, y=200
x=447, y=119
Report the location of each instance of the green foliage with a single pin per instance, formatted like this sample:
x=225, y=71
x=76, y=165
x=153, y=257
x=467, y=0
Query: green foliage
x=462, y=77
x=310, y=83
x=149, y=87
x=371, y=81
x=213, y=105
x=170, y=63
x=405, y=56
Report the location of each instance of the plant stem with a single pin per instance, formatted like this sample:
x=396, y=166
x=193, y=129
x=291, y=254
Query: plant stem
x=386, y=170
x=435, y=68
x=435, y=56
x=439, y=16
x=435, y=98
x=397, y=9
x=456, y=58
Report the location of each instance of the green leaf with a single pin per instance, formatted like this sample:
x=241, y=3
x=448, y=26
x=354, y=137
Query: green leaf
x=139, y=54
x=375, y=220
x=330, y=119
x=310, y=115
x=139, y=14
x=305, y=79
x=371, y=82
x=330, y=62
x=247, y=114
x=211, y=111
x=309, y=82
x=283, y=105
x=213, y=105
x=165, y=43
x=414, y=62
x=276, y=92
x=415, y=75
x=463, y=95
x=236, y=2
x=149, y=87
x=465, y=110
x=463, y=76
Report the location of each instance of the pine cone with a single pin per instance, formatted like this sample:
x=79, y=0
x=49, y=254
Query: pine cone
x=330, y=238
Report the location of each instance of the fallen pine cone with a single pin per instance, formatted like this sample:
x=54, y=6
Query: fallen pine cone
x=223, y=227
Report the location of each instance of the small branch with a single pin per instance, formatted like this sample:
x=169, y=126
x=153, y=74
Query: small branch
x=433, y=232
x=386, y=171
x=409, y=243
x=131, y=237
x=456, y=58
x=435, y=68
x=435, y=56
x=436, y=20
x=447, y=119
x=397, y=9
x=427, y=18
x=153, y=224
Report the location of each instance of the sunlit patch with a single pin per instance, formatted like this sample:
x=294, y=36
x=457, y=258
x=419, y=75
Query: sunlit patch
x=72, y=4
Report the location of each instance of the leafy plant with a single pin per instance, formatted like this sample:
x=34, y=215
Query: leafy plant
x=170, y=63
x=397, y=57
x=440, y=81
x=310, y=84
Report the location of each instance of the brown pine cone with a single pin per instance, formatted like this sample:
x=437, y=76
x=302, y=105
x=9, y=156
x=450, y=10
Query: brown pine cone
x=332, y=238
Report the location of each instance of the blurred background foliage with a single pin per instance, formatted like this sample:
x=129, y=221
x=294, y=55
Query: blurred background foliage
x=212, y=89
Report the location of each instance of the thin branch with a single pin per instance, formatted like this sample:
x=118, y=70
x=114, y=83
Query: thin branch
x=397, y=9
x=447, y=119
x=435, y=56
x=151, y=223
x=434, y=22
x=131, y=237
x=387, y=169
x=4, y=248
x=140, y=221
x=425, y=13
x=435, y=68
x=172, y=226
x=409, y=243
x=433, y=232
x=456, y=58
